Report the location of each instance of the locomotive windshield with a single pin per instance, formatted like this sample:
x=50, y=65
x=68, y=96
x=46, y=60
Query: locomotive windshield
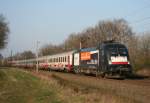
x=123, y=51
x=116, y=49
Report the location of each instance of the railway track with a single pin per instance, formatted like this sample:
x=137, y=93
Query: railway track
x=137, y=80
x=134, y=89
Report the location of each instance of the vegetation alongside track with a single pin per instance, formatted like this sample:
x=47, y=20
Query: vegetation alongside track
x=20, y=86
x=135, y=90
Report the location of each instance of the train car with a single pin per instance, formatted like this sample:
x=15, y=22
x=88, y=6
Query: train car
x=19, y=63
x=29, y=63
x=61, y=61
x=43, y=62
x=86, y=60
x=108, y=58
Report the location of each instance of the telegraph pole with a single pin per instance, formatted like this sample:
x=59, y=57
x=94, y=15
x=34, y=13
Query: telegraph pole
x=80, y=45
x=11, y=57
x=37, y=56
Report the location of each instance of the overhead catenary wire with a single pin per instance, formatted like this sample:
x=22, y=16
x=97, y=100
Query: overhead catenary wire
x=140, y=20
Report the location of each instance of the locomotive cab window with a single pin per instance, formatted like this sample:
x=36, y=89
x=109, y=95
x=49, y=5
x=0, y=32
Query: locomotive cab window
x=116, y=50
x=113, y=51
x=123, y=51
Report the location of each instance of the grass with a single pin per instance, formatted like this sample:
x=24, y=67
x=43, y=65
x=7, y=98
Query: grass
x=91, y=94
x=20, y=87
x=113, y=91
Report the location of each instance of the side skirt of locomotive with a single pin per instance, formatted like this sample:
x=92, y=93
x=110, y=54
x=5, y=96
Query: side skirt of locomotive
x=118, y=73
x=84, y=70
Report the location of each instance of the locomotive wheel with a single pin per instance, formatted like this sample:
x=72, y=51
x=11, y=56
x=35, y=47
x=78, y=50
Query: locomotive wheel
x=76, y=70
x=103, y=75
x=66, y=70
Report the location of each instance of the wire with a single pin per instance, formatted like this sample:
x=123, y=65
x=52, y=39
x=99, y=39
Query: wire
x=140, y=20
x=145, y=24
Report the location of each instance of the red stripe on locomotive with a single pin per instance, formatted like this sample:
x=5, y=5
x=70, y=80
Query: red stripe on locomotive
x=119, y=62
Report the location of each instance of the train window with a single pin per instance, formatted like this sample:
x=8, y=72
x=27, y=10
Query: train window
x=113, y=51
x=56, y=59
x=61, y=59
x=65, y=58
x=123, y=51
x=68, y=58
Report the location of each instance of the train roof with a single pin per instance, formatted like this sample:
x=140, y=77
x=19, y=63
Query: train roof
x=88, y=49
x=113, y=43
x=44, y=57
x=58, y=54
x=24, y=60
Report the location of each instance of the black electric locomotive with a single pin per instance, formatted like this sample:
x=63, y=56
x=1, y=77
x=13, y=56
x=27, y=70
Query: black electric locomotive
x=107, y=59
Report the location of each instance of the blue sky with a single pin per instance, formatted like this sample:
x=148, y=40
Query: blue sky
x=51, y=21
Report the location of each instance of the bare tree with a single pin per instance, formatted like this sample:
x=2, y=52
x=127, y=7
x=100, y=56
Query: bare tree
x=50, y=49
x=144, y=47
x=105, y=30
x=24, y=55
x=72, y=42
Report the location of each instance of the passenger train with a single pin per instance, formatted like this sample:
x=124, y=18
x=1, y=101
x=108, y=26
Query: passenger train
x=108, y=58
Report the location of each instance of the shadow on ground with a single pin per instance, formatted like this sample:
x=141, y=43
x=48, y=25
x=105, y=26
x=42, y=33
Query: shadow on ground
x=138, y=77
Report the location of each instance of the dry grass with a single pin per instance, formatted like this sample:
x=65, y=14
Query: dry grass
x=81, y=93
x=118, y=91
x=20, y=87
x=56, y=87
x=144, y=71
x=81, y=90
